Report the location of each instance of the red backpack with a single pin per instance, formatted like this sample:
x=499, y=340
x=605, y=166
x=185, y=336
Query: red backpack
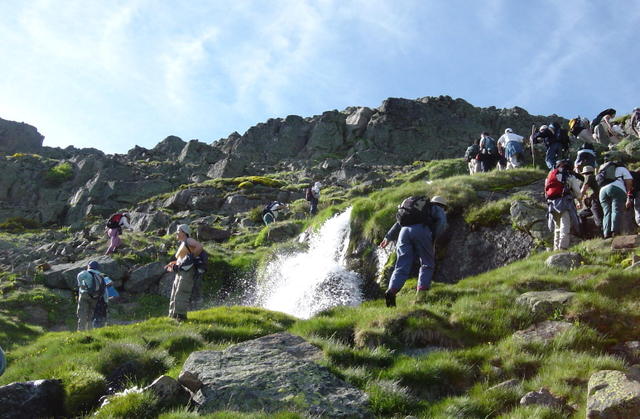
x=553, y=187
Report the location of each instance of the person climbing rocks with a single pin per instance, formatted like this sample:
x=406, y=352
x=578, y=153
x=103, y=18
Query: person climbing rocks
x=313, y=196
x=586, y=156
x=579, y=128
x=552, y=144
x=616, y=194
x=184, y=268
x=635, y=122
x=514, y=148
x=603, y=131
x=91, y=287
x=420, y=222
x=472, y=156
x=561, y=187
x=488, y=152
x=271, y=211
x=590, y=197
x=115, y=224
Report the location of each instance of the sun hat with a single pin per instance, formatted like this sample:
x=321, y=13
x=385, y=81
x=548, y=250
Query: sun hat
x=184, y=228
x=439, y=200
x=587, y=169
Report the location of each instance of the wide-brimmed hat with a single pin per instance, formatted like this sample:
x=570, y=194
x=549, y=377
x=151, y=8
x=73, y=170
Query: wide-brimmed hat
x=439, y=200
x=184, y=228
x=587, y=169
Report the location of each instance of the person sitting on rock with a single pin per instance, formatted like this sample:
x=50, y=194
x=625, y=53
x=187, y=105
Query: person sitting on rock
x=114, y=229
x=420, y=223
x=91, y=287
x=183, y=266
x=271, y=210
x=514, y=148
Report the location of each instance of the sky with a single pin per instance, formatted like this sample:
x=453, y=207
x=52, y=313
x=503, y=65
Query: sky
x=115, y=74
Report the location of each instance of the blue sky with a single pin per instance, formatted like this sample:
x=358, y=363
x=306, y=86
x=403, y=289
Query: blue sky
x=113, y=74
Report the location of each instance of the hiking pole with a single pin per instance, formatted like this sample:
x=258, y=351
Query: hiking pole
x=533, y=154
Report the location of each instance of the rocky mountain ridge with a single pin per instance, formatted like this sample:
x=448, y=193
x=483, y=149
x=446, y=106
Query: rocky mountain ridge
x=335, y=147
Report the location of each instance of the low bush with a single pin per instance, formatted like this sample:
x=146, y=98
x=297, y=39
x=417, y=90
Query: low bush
x=19, y=225
x=59, y=174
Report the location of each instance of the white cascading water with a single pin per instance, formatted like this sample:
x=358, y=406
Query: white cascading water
x=303, y=284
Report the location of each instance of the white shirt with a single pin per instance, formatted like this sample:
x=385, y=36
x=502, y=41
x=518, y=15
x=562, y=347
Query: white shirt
x=621, y=174
x=509, y=136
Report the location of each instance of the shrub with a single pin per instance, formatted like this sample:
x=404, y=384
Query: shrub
x=83, y=389
x=19, y=224
x=130, y=405
x=388, y=397
x=122, y=361
x=59, y=173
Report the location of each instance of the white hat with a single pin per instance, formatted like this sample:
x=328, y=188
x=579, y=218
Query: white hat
x=318, y=185
x=184, y=228
x=587, y=169
x=543, y=127
x=508, y=130
x=439, y=200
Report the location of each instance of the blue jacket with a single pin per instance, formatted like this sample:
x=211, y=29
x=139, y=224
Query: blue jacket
x=440, y=224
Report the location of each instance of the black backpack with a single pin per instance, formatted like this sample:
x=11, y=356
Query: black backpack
x=415, y=210
x=308, y=194
x=601, y=115
x=267, y=208
x=607, y=173
x=199, y=262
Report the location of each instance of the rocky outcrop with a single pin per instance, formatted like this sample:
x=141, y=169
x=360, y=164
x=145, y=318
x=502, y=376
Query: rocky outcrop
x=546, y=302
x=269, y=374
x=18, y=137
x=32, y=399
x=144, y=277
x=612, y=395
x=64, y=275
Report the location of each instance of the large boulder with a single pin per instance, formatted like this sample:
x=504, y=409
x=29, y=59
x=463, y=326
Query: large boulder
x=64, y=275
x=19, y=137
x=144, y=277
x=613, y=395
x=564, y=261
x=546, y=302
x=270, y=374
x=145, y=221
x=205, y=232
x=32, y=399
x=531, y=217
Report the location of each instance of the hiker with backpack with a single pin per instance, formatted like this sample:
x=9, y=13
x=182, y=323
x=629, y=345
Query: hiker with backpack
x=186, y=267
x=115, y=223
x=488, y=152
x=420, y=222
x=552, y=144
x=602, y=128
x=513, y=146
x=271, y=210
x=586, y=157
x=635, y=122
x=312, y=194
x=561, y=187
x=91, y=287
x=579, y=128
x=100, y=313
x=616, y=194
x=590, y=197
x=472, y=156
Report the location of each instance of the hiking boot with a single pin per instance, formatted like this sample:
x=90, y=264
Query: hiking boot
x=421, y=297
x=390, y=298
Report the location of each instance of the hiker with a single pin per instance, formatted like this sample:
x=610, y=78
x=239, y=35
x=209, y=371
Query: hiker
x=419, y=223
x=184, y=267
x=312, y=194
x=616, y=184
x=472, y=156
x=114, y=228
x=271, y=210
x=102, y=304
x=586, y=157
x=579, y=128
x=590, y=201
x=91, y=287
x=602, y=129
x=514, y=148
x=560, y=188
x=3, y=362
x=553, y=146
x=488, y=152
x=635, y=122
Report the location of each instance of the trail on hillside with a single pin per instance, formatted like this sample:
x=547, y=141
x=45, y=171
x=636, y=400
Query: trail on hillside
x=305, y=283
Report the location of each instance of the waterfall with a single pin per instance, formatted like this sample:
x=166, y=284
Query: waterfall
x=305, y=283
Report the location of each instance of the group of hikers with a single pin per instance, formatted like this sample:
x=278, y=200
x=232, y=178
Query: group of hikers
x=96, y=290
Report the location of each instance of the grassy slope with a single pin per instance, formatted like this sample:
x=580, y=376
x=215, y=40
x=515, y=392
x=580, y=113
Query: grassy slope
x=472, y=320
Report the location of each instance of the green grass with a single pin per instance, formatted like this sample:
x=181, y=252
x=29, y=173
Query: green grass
x=59, y=174
x=19, y=225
